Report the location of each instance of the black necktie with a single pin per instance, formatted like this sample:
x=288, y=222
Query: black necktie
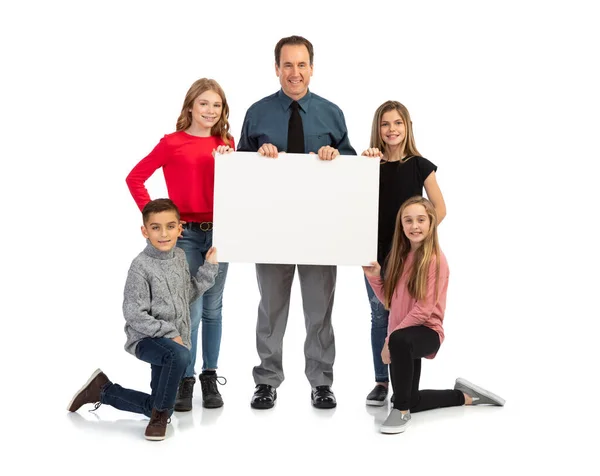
x=295, y=131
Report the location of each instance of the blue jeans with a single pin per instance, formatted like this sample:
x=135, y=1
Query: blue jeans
x=379, y=328
x=168, y=361
x=207, y=308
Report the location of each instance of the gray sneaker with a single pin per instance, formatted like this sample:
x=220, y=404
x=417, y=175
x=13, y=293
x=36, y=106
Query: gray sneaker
x=396, y=422
x=480, y=395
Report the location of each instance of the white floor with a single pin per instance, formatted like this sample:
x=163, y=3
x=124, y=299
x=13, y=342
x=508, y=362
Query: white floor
x=532, y=433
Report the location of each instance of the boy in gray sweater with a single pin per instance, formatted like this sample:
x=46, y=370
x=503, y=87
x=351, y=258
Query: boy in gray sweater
x=156, y=306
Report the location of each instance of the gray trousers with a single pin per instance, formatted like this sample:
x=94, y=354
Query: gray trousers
x=317, y=284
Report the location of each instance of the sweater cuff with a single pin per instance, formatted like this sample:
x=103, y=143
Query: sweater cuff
x=211, y=268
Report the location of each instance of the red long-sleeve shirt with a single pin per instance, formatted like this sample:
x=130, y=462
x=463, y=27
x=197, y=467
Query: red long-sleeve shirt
x=406, y=311
x=189, y=169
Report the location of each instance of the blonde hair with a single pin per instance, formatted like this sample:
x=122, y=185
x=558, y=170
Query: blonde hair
x=408, y=146
x=221, y=128
x=396, y=260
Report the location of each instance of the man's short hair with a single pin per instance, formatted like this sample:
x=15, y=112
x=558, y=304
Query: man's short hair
x=293, y=40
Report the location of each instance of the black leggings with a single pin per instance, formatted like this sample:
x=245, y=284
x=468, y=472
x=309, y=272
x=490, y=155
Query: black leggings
x=407, y=347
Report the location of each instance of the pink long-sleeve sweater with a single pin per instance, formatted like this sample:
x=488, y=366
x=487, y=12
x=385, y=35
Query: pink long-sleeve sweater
x=406, y=311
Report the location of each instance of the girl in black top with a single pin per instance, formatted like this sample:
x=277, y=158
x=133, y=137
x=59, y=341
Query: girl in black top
x=404, y=174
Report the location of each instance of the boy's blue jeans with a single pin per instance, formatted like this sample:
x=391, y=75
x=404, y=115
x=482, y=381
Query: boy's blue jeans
x=207, y=308
x=379, y=328
x=168, y=360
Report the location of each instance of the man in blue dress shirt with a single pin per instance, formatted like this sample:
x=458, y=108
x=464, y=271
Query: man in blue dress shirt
x=295, y=120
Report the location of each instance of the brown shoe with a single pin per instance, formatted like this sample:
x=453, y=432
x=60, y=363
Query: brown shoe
x=157, y=428
x=90, y=392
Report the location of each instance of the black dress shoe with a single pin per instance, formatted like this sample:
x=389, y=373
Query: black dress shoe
x=323, y=397
x=264, y=397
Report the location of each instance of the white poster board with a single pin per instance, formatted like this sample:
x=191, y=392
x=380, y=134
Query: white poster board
x=296, y=209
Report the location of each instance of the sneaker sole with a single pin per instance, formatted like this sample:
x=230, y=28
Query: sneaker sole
x=394, y=430
x=155, y=438
x=94, y=375
x=375, y=403
x=461, y=384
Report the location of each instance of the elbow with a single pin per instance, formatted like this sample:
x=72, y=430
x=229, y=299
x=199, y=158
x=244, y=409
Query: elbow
x=441, y=213
x=129, y=181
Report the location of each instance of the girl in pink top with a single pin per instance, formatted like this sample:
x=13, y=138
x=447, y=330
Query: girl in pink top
x=414, y=290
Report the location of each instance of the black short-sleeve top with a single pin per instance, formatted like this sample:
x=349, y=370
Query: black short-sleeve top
x=398, y=181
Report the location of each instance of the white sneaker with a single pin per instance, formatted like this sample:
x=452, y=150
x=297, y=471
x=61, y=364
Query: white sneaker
x=396, y=422
x=479, y=395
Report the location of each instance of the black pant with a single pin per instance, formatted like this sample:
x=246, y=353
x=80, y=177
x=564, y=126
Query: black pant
x=407, y=347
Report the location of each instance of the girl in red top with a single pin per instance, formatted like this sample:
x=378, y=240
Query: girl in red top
x=414, y=290
x=187, y=160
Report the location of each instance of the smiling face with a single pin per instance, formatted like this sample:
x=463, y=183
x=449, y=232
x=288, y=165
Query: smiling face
x=162, y=229
x=415, y=224
x=206, y=112
x=392, y=128
x=294, y=70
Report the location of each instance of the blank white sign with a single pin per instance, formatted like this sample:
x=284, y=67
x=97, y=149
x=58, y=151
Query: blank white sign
x=296, y=209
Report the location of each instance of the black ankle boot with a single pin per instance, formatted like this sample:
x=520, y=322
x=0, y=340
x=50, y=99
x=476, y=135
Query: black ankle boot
x=211, y=398
x=185, y=393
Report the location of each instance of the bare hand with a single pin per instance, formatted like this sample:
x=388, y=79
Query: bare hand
x=222, y=149
x=373, y=271
x=268, y=150
x=211, y=255
x=327, y=153
x=372, y=152
x=178, y=340
x=385, y=354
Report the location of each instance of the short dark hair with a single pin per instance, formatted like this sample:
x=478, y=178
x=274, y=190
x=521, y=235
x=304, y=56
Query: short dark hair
x=157, y=206
x=293, y=40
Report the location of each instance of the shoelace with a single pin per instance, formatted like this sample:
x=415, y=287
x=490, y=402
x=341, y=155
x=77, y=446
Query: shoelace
x=324, y=389
x=159, y=419
x=187, y=389
x=209, y=385
x=96, y=406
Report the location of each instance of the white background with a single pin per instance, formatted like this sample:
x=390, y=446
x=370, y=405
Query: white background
x=504, y=99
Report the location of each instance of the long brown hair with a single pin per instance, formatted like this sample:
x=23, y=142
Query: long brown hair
x=408, y=146
x=419, y=272
x=221, y=128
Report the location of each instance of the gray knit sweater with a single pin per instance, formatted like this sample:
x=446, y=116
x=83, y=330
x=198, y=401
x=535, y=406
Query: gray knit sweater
x=158, y=294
